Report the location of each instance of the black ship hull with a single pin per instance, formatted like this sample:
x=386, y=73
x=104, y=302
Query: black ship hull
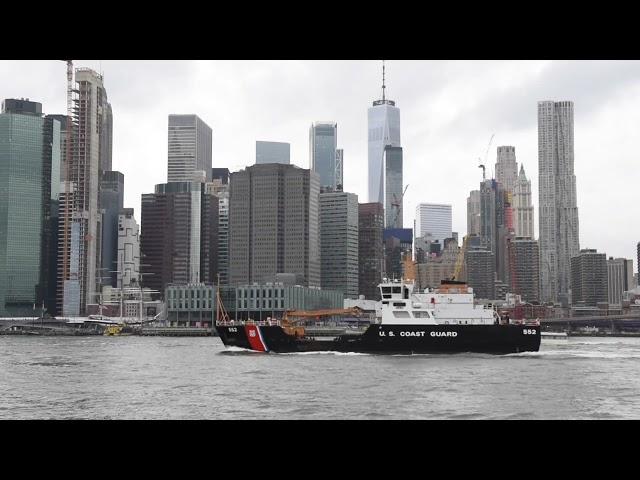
x=398, y=339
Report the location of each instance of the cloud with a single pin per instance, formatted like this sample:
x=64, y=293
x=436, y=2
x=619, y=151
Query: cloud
x=449, y=109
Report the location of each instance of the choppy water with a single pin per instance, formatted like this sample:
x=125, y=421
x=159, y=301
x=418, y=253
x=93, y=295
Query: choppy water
x=196, y=378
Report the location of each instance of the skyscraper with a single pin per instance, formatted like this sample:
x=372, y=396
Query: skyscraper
x=392, y=176
x=480, y=265
x=525, y=268
x=220, y=188
x=273, y=224
x=488, y=234
x=383, y=129
x=339, y=242
x=339, y=169
x=558, y=209
x=106, y=140
x=111, y=202
x=616, y=280
x=370, y=249
x=179, y=241
x=221, y=174
x=433, y=220
x=128, y=249
x=398, y=245
x=620, y=278
x=323, y=143
x=189, y=148
x=473, y=213
x=589, y=278
x=53, y=144
x=29, y=183
x=628, y=274
x=494, y=228
x=273, y=152
x=522, y=206
x=80, y=226
x=507, y=167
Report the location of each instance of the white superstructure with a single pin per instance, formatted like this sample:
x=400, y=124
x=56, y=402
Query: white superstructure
x=451, y=304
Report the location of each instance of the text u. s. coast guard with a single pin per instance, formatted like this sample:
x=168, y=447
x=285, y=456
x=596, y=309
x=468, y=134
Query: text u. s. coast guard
x=390, y=333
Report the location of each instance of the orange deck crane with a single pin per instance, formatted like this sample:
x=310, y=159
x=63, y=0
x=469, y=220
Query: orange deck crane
x=291, y=317
x=297, y=315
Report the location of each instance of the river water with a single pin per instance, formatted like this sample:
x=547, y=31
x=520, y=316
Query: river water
x=197, y=378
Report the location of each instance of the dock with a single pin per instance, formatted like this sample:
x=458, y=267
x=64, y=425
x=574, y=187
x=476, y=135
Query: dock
x=176, y=332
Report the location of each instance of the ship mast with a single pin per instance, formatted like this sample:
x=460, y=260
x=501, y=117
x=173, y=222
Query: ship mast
x=219, y=305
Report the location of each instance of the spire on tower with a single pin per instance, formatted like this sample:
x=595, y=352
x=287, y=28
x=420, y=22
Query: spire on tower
x=384, y=100
x=383, y=86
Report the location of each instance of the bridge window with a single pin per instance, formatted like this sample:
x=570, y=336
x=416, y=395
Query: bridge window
x=401, y=314
x=396, y=290
x=399, y=304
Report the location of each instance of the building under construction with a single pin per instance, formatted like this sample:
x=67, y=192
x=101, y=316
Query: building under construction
x=79, y=226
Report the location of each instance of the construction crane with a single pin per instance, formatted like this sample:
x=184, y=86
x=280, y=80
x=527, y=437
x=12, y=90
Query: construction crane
x=398, y=204
x=460, y=260
x=486, y=156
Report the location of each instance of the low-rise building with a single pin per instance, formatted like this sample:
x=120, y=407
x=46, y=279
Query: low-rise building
x=260, y=301
x=190, y=305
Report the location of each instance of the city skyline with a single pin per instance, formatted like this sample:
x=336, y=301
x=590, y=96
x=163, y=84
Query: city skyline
x=446, y=122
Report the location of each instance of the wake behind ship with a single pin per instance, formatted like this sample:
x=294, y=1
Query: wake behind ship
x=445, y=320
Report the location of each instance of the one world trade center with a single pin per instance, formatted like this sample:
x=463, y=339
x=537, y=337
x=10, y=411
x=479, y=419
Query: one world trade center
x=384, y=130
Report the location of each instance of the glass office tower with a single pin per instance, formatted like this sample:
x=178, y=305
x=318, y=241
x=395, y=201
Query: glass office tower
x=29, y=158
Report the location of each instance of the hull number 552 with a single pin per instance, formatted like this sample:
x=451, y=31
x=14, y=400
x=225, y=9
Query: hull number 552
x=528, y=331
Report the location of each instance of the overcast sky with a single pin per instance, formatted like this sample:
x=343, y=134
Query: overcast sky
x=448, y=110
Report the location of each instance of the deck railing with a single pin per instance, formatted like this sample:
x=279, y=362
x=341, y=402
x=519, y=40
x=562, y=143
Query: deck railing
x=261, y=323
